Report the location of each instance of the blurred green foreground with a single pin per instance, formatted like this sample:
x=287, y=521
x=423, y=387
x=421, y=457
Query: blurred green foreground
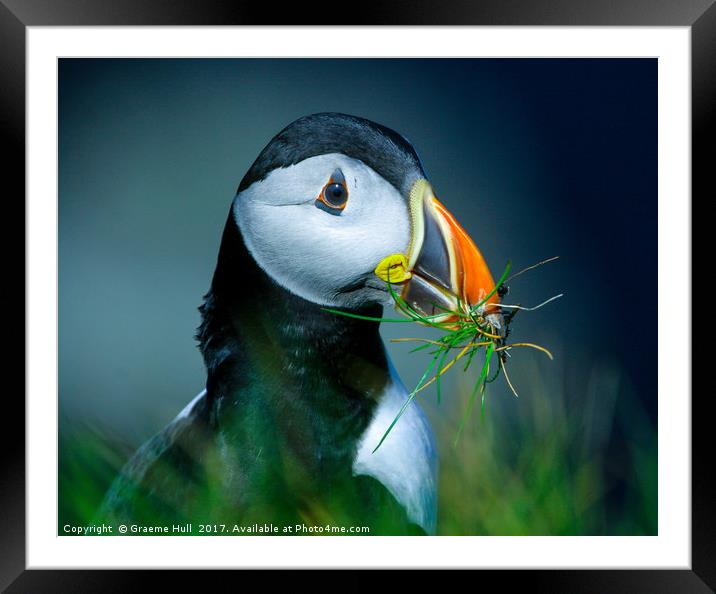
x=556, y=461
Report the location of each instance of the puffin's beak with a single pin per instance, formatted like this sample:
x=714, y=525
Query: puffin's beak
x=443, y=270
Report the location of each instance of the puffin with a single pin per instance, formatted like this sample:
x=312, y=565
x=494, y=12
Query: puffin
x=334, y=213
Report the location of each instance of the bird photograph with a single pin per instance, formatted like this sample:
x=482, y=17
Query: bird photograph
x=357, y=296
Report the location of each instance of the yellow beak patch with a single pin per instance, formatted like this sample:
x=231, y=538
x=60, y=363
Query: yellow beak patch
x=393, y=269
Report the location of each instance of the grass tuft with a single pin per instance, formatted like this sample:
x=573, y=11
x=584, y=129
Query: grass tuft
x=464, y=332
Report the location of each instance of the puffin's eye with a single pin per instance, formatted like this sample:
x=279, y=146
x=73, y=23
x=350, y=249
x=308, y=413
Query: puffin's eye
x=334, y=196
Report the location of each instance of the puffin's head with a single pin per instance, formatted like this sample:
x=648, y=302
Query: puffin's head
x=336, y=205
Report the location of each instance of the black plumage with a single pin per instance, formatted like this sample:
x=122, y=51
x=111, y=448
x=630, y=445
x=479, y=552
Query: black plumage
x=290, y=388
x=382, y=149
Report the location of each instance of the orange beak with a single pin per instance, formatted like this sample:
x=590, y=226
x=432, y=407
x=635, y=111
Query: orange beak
x=447, y=270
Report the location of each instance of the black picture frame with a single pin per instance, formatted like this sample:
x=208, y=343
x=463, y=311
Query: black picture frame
x=17, y=15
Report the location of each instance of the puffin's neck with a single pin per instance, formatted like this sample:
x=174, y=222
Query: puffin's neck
x=303, y=371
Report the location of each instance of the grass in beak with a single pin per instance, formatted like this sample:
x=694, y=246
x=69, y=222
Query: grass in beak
x=465, y=332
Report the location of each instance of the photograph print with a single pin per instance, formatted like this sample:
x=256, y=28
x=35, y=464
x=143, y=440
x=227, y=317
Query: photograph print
x=357, y=296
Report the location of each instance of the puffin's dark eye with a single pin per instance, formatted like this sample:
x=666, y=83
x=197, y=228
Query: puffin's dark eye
x=334, y=196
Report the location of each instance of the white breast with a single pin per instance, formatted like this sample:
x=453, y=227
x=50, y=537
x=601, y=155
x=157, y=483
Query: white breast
x=186, y=411
x=406, y=462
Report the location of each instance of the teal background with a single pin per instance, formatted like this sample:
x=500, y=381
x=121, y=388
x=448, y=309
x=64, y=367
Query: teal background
x=535, y=157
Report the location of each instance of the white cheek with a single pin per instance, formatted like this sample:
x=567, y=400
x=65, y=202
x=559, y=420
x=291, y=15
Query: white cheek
x=279, y=238
x=312, y=253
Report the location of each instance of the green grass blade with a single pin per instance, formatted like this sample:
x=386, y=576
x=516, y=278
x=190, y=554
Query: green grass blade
x=479, y=385
x=360, y=317
x=439, y=371
x=486, y=369
x=408, y=401
x=495, y=288
x=421, y=347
